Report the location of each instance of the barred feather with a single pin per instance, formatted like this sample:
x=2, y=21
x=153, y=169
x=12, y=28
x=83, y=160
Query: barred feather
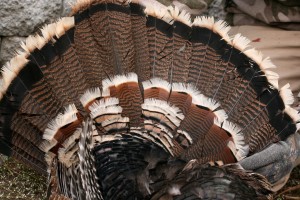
x=132, y=99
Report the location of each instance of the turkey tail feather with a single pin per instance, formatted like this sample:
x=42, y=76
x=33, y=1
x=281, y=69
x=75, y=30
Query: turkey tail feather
x=124, y=97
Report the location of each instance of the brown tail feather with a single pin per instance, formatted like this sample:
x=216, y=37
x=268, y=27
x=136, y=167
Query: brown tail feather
x=165, y=85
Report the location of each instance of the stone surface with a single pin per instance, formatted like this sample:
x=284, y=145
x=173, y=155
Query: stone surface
x=67, y=7
x=21, y=18
x=9, y=45
x=0, y=51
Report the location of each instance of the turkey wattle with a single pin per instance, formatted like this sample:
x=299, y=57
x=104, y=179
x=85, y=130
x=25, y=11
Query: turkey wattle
x=134, y=100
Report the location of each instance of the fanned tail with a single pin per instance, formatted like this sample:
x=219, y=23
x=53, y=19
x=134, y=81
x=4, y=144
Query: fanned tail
x=116, y=94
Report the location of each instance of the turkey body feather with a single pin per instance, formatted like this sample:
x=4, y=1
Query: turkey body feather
x=130, y=100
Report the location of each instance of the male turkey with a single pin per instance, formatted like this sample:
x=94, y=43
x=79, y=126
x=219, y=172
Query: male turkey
x=134, y=100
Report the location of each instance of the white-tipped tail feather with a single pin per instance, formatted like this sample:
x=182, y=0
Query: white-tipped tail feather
x=272, y=78
x=113, y=110
x=29, y=45
x=10, y=71
x=221, y=115
x=62, y=119
x=120, y=79
x=162, y=110
x=115, y=123
x=287, y=95
x=40, y=41
x=7, y=77
x=157, y=83
x=255, y=55
x=46, y=145
x=204, y=21
x=63, y=25
x=116, y=81
x=90, y=95
x=186, y=135
x=204, y=101
x=240, y=42
x=241, y=148
x=222, y=28
x=264, y=63
x=48, y=31
x=181, y=16
x=165, y=106
x=190, y=89
x=17, y=62
x=160, y=12
x=267, y=64
x=210, y=104
x=104, y=103
x=294, y=114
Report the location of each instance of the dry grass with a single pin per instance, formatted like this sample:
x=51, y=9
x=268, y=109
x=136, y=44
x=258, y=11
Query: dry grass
x=291, y=190
x=19, y=182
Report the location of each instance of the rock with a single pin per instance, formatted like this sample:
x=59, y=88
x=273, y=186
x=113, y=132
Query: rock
x=9, y=46
x=22, y=18
x=67, y=7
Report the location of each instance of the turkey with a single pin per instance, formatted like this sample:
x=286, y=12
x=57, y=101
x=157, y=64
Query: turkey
x=135, y=100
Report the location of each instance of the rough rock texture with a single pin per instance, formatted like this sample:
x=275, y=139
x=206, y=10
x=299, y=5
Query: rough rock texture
x=9, y=45
x=21, y=18
x=0, y=58
x=67, y=7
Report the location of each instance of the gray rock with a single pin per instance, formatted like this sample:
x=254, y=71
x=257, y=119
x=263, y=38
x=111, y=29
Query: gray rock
x=67, y=7
x=9, y=46
x=21, y=18
x=0, y=42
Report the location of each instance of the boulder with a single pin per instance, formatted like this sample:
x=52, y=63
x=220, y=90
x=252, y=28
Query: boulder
x=22, y=18
x=67, y=7
x=9, y=46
